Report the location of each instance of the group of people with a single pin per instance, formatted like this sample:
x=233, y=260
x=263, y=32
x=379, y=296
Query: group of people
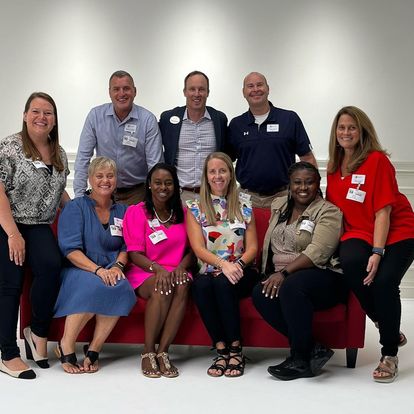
x=159, y=230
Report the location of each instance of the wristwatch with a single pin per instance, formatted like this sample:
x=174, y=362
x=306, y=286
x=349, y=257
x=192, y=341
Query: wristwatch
x=378, y=250
x=285, y=273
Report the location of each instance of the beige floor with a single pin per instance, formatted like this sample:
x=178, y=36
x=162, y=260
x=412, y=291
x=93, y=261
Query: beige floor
x=120, y=387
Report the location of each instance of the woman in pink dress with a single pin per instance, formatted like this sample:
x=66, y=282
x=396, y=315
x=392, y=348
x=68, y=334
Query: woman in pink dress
x=156, y=239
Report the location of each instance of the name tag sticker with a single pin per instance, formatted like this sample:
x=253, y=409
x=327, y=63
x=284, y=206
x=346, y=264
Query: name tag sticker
x=39, y=164
x=174, y=120
x=358, y=179
x=115, y=230
x=307, y=225
x=356, y=195
x=118, y=222
x=157, y=236
x=244, y=197
x=130, y=141
x=154, y=223
x=131, y=128
x=273, y=128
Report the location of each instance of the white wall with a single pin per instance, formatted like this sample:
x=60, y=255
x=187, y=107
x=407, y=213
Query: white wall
x=318, y=56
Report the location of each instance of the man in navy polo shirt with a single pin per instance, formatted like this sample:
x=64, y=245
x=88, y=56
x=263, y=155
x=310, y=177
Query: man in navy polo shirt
x=265, y=140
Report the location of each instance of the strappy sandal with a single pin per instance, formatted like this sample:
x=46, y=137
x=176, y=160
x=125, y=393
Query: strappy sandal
x=155, y=370
x=68, y=359
x=241, y=362
x=169, y=370
x=387, y=369
x=93, y=357
x=222, y=357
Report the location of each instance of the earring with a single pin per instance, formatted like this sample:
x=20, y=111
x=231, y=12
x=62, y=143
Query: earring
x=149, y=187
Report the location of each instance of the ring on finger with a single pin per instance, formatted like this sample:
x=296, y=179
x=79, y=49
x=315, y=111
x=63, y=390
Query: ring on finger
x=275, y=286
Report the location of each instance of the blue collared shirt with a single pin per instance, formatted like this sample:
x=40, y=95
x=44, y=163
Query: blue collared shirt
x=104, y=133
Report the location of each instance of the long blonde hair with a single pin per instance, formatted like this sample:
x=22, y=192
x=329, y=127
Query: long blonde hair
x=232, y=196
x=368, y=141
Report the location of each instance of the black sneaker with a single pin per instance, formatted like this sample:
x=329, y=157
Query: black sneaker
x=280, y=366
x=291, y=369
x=320, y=355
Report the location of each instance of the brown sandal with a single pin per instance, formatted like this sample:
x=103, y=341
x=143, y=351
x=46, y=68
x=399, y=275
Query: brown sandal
x=387, y=369
x=154, y=372
x=169, y=370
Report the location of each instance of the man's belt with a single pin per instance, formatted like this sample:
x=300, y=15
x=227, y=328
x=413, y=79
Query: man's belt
x=191, y=190
x=121, y=190
x=270, y=193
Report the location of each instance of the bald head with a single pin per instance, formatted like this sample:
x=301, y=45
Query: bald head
x=256, y=93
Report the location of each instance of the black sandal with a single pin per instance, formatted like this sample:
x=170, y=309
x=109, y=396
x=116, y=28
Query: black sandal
x=93, y=356
x=67, y=359
x=222, y=356
x=241, y=362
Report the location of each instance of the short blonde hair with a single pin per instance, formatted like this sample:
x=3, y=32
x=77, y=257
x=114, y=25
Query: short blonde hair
x=100, y=163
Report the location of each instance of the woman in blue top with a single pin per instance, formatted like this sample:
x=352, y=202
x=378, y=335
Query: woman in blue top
x=90, y=237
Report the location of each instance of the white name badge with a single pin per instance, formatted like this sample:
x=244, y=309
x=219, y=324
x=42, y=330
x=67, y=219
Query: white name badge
x=273, y=128
x=307, y=225
x=244, y=197
x=130, y=141
x=174, y=120
x=118, y=222
x=154, y=223
x=115, y=230
x=157, y=236
x=238, y=225
x=356, y=195
x=39, y=164
x=358, y=179
x=131, y=128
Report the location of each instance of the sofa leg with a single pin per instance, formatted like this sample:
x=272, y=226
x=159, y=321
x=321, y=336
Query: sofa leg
x=351, y=357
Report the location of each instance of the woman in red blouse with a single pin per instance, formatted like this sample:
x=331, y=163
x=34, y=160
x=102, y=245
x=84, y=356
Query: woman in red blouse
x=377, y=246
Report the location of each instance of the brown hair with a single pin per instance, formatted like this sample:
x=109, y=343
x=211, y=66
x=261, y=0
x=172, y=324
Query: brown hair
x=29, y=148
x=368, y=140
x=232, y=196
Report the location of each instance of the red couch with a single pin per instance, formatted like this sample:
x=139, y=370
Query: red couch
x=341, y=327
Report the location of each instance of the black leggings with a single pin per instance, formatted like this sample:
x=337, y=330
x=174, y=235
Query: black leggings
x=218, y=302
x=381, y=299
x=301, y=293
x=44, y=259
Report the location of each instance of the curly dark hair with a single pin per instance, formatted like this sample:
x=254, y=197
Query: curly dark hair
x=298, y=166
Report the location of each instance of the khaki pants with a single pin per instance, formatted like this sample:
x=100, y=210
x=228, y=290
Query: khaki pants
x=263, y=201
x=133, y=195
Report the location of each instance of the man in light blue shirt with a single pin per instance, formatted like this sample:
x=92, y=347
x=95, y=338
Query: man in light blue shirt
x=124, y=132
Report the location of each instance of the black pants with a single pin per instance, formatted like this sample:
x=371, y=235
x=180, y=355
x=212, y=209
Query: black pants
x=381, y=299
x=301, y=293
x=218, y=302
x=44, y=259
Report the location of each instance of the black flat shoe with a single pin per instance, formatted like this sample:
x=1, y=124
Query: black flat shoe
x=320, y=355
x=31, y=352
x=291, y=369
x=23, y=374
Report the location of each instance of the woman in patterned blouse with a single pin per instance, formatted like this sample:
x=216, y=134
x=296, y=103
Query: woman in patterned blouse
x=33, y=171
x=222, y=234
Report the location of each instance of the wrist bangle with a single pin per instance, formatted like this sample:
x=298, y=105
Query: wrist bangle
x=241, y=263
x=10, y=236
x=120, y=265
x=151, y=266
x=379, y=251
x=218, y=263
x=97, y=269
x=285, y=273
